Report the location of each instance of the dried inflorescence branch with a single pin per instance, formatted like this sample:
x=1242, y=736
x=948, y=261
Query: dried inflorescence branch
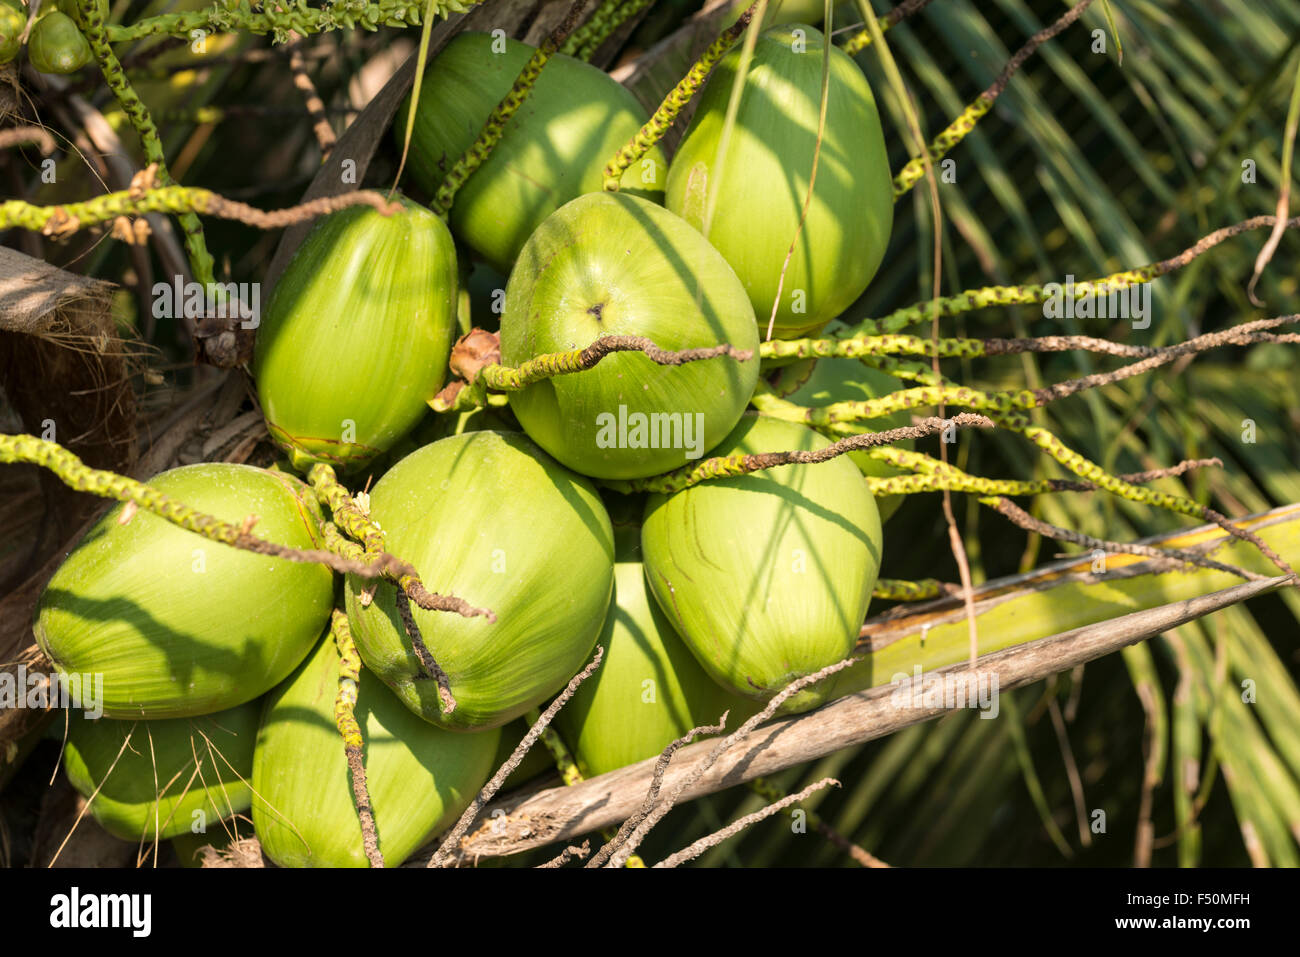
x=729, y=466
x=352, y=519
x=568, y=854
x=985, y=297
x=444, y=855
x=957, y=131
x=652, y=794
x=661, y=807
x=490, y=135
x=353, y=743
x=644, y=139
x=861, y=40
x=1017, y=515
x=717, y=837
x=554, y=364
x=63, y=220
x=77, y=475
x=427, y=661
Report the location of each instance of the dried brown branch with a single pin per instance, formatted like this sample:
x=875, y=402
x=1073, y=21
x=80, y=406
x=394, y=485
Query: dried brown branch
x=442, y=857
x=427, y=661
x=566, y=812
x=735, y=827
x=665, y=805
x=315, y=105
x=568, y=854
x=652, y=795
x=36, y=135
x=728, y=466
x=365, y=814
x=1017, y=515
x=1235, y=335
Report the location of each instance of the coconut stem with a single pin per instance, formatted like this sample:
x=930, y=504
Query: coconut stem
x=353, y=520
x=477, y=154
x=894, y=589
x=91, y=16
x=77, y=475
x=65, y=219
x=989, y=296
x=673, y=104
x=861, y=40
x=353, y=744
x=957, y=131
x=570, y=774
x=730, y=466
x=605, y=20
x=554, y=364
x=232, y=15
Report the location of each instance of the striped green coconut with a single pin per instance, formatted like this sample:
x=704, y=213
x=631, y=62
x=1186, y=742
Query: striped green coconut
x=766, y=576
x=420, y=778
x=490, y=518
x=160, y=779
x=179, y=625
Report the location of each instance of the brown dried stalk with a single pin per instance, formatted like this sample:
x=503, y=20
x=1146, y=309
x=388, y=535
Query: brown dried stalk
x=568, y=854
x=442, y=857
x=664, y=806
x=652, y=795
x=1017, y=515
x=427, y=661
x=717, y=837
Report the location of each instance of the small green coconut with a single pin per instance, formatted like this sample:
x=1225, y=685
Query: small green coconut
x=357, y=333
x=159, y=779
x=554, y=148
x=420, y=778
x=755, y=192
x=179, y=625
x=610, y=264
x=648, y=691
x=490, y=518
x=767, y=576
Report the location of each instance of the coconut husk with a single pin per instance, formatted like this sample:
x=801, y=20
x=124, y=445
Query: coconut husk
x=64, y=372
x=246, y=852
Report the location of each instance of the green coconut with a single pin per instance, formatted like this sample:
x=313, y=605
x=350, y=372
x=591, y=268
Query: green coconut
x=420, y=778
x=848, y=380
x=648, y=691
x=490, y=518
x=554, y=148
x=13, y=17
x=766, y=576
x=611, y=264
x=177, y=624
x=355, y=339
x=158, y=779
x=758, y=189
x=56, y=45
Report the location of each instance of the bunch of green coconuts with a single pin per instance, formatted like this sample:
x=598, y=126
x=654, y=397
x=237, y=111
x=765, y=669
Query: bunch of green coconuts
x=55, y=43
x=219, y=662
